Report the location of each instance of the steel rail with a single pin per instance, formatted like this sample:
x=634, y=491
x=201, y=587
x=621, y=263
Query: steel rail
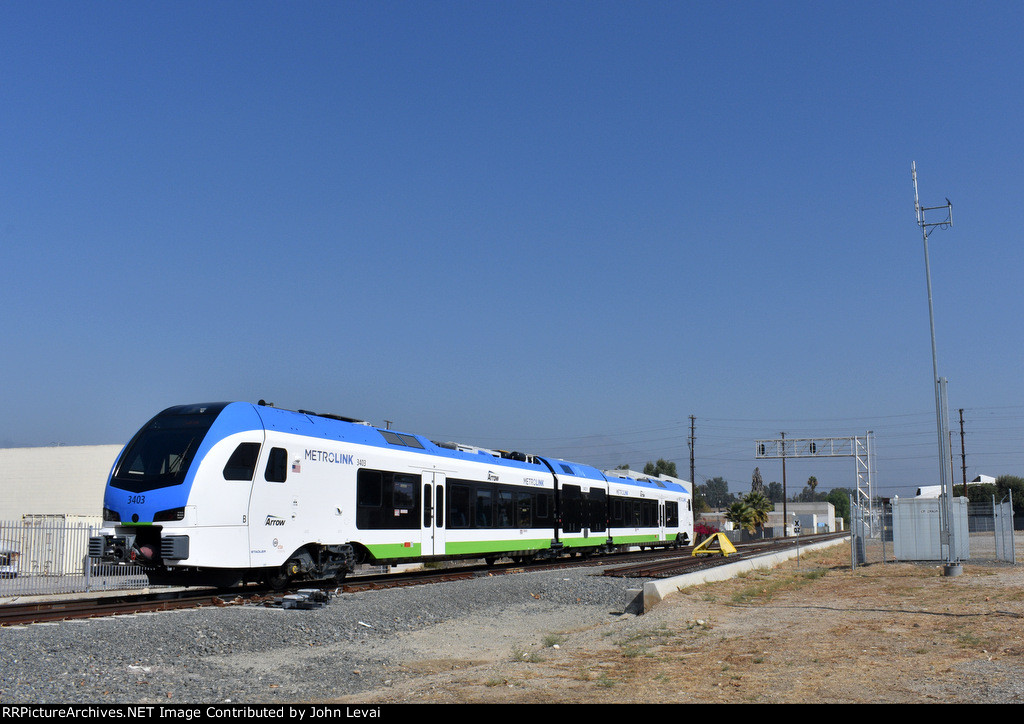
x=668, y=567
x=659, y=563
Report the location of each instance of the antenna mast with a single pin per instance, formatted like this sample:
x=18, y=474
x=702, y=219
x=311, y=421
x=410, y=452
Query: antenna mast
x=947, y=535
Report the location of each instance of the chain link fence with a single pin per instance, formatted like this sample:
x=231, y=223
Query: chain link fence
x=42, y=555
x=912, y=530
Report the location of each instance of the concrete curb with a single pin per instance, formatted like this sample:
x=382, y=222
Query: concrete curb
x=656, y=591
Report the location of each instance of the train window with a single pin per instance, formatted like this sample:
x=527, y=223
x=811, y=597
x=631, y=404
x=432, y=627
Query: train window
x=160, y=454
x=671, y=514
x=597, y=510
x=506, y=509
x=566, y=469
x=543, y=500
x=242, y=463
x=524, y=510
x=484, y=508
x=403, y=495
x=400, y=438
x=650, y=513
x=277, y=466
x=460, y=506
x=386, y=500
x=439, y=507
x=616, y=512
x=369, y=489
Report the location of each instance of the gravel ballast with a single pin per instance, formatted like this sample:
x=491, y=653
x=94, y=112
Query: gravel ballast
x=256, y=654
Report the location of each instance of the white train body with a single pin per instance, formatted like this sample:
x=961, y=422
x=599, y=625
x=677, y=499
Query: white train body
x=251, y=491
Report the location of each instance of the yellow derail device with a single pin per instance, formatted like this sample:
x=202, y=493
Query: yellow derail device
x=707, y=548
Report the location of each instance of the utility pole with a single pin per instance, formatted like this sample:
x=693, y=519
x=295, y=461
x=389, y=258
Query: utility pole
x=693, y=480
x=963, y=454
x=947, y=534
x=952, y=474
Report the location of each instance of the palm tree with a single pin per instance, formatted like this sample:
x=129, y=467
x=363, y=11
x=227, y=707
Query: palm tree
x=742, y=515
x=759, y=506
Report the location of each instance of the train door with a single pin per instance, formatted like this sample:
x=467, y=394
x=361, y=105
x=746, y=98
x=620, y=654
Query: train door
x=273, y=510
x=432, y=532
x=597, y=510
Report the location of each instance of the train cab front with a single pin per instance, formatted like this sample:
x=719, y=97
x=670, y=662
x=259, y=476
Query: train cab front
x=146, y=515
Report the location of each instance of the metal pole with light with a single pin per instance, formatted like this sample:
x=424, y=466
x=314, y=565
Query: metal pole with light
x=947, y=534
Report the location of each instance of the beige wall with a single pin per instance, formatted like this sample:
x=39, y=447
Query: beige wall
x=54, y=480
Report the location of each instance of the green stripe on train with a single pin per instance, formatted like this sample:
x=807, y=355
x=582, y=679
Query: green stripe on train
x=626, y=540
x=494, y=546
x=396, y=550
x=458, y=548
x=466, y=548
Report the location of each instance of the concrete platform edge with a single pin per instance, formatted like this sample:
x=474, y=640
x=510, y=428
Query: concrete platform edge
x=656, y=591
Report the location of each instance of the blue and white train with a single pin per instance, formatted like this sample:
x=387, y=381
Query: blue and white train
x=227, y=492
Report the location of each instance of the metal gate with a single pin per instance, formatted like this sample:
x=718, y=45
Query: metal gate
x=40, y=555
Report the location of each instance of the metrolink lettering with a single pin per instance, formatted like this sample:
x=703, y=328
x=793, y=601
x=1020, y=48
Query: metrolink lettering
x=323, y=456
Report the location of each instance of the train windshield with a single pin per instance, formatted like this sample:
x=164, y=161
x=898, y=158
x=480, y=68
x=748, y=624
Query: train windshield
x=160, y=454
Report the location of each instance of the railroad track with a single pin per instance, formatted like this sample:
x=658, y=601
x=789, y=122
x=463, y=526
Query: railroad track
x=683, y=563
x=659, y=563
x=13, y=614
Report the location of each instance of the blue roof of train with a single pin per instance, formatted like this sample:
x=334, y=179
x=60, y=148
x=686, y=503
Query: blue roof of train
x=648, y=482
x=235, y=417
x=564, y=467
x=347, y=430
x=344, y=429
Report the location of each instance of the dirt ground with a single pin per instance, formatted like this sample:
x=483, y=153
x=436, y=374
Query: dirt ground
x=808, y=632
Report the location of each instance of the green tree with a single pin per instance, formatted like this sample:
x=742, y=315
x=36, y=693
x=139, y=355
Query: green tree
x=840, y=499
x=759, y=506
x=977, y=493
x=700, y=505
x=812, y=483
x=716, y=492
x=662, y=467
x=756, y=482
x=741, y=515
x=1015, y=486
x=775, y=492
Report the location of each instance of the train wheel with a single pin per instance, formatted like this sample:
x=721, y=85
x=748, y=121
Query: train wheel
x=278, y=579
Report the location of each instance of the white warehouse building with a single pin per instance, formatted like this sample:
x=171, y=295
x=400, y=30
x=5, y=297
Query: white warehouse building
x=54, y=480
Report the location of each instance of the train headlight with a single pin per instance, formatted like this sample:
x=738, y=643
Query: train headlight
x=170, y=515
x=111, y=515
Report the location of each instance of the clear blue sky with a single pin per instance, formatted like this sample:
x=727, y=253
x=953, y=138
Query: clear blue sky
x=563, y=227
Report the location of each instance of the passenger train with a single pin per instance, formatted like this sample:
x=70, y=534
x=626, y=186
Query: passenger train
x=228, y=492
